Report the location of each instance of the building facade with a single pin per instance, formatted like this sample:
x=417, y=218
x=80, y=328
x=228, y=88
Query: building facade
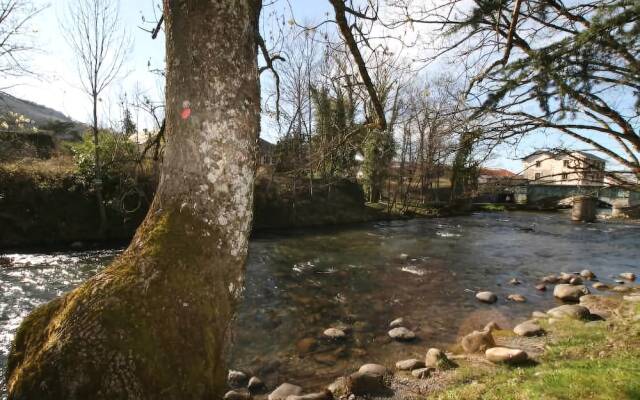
x=576, y=168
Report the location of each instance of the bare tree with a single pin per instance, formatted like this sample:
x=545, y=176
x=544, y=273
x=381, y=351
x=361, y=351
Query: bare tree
x=93, y=30
x=15, y=36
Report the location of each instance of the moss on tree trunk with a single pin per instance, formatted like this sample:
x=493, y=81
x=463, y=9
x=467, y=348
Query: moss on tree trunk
x=156, y=323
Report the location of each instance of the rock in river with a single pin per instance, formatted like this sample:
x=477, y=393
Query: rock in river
x=600, y=286
x=570, y=292
x=410, y=364
x=255, y=384
x=396, y=323
x=550, y=279
x=237, y=379
x=365, y=383
x=630, y=276
x=285, y=390
x=518, y=298
x=514, y=281
x=402, y=334
x=436, y=358
x=487, y=297
x=237, y=394
x=587, y=274
x=572, y=311
x=621, y=289
x=528, y=328
x=335, y=333
x=506, y=355
x=541, y=287
x=477, y=341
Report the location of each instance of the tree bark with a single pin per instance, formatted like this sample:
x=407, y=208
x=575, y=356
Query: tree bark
x=156, y=323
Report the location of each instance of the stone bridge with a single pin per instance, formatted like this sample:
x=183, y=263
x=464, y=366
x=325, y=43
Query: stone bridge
x=536, y=194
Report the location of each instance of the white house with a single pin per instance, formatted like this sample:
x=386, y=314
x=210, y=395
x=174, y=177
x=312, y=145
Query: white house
x=568, y=168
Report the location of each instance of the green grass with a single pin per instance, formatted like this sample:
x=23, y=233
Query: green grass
x=581, y=362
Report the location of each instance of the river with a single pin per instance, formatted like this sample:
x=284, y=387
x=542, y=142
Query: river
x=301, y=282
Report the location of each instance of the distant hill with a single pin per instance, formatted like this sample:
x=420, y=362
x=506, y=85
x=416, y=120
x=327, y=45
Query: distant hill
x=42, y=116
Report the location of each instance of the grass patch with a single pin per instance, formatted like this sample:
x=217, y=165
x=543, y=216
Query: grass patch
x=581, y=362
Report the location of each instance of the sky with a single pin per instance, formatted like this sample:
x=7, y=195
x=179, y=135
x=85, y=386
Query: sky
x=57, y=84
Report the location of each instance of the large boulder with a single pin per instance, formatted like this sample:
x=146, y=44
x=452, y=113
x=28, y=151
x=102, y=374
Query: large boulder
x=365, y=383
x=237, y=379
x=477, y=341
x=285, y=390
x=630, y=276
x=506, y=355
x=373, y=369
x=528, y=328
x=437, y=359
x=571, y=311
x=567, y=292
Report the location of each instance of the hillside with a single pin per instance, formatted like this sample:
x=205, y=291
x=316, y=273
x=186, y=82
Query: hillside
x=36, y=112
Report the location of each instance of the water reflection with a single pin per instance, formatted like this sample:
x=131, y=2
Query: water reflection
x=361, y=278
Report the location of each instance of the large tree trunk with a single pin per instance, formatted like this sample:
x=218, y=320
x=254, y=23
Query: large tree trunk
x=156, y=323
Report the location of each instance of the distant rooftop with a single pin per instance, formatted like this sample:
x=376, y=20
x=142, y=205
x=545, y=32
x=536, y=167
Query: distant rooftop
x=556, y=154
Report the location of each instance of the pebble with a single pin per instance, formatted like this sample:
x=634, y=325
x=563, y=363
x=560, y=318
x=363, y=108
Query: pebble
x=477, y=341
x=528, y=328
x=587, y=274
x=306, y=345
x=487, y=297
x=373, y=369
x=237, y=394
x=630, y=276
x=570, y=292
x=237, y=379
x=572, y=311
x=550, y=279
x=518, y=298
x=285, y=390
x=401, y=333
x=422, y=373
x=437, y=359
x=514, y=281
x=541, y=287
x=335, y=333
x=600, y=286
x=410, y=364
x=506, y=355
x=576, y=280
x=396, y=323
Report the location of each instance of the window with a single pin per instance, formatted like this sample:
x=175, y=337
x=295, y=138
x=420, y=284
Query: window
x=538, y=164
x=565, y=176
x=566, y=163
x=538, y=175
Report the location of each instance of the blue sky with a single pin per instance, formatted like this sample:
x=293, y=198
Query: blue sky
x=57, y=85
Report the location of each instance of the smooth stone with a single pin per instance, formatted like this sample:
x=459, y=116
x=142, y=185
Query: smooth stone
x=566, y=277
x=437, y=359
x=396, y=323
x=364, y=383
x=335, y=333
x=528, y=328
x=237, y=379
x=401, y=333
x=619, y=281
x=506, y=355
x=487, y=297
x=541, y=287
x=518, y=298
x=491, y=326
x=514, y=281
x=410, y=364
x=587, y=274
x=255, y=383
x=326, y=395
x=570, y=292
x=422, y=373
x=575, y=281
x=237, y=394
x=550, y=279
x=572, y=311
x=285, y=390
x=373, y=369
x=630, y=276
x=621, y=289
x=539, y=314
x=600, y=286
x=477, y=341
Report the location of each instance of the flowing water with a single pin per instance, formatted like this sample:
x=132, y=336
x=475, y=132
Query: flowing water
x=301, y=282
